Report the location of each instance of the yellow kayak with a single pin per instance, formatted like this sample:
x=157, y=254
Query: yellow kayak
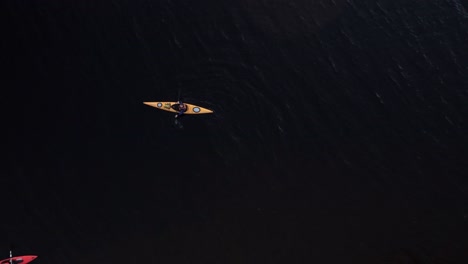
x=174, y=107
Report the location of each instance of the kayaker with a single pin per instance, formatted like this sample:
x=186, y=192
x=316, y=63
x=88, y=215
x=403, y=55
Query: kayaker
x=182, y=109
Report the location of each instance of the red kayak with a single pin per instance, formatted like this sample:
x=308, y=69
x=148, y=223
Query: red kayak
x=18, y=260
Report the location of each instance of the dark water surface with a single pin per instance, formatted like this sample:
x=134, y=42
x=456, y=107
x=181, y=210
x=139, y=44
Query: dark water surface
x=339, y=133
